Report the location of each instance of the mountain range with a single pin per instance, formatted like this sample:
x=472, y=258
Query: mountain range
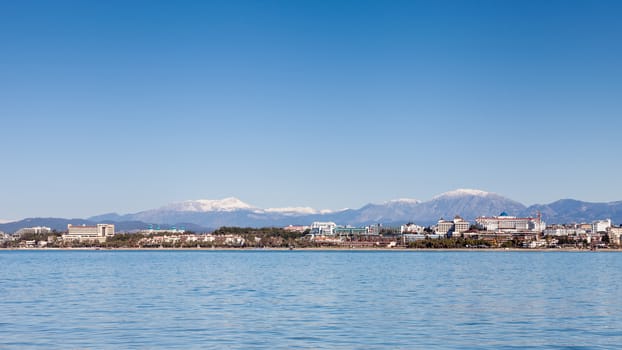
x=202, y=215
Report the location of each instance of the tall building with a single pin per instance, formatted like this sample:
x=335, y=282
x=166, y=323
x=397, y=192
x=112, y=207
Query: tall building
x=98, y=232
x=444, y=227
x=461, y=225
x=457, y=226
x=601, y=225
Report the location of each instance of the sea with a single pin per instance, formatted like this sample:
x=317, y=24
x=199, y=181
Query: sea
x=267, y=299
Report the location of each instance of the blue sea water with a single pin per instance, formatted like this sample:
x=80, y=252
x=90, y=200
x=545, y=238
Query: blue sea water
x=310, y=300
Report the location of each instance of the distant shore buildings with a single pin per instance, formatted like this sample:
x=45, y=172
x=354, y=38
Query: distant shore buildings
x=502, y=230
x=157, y=229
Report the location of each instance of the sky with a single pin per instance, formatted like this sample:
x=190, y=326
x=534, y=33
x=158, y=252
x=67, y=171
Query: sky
x=123, y=106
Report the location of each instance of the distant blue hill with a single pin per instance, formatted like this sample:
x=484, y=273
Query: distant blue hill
x=53, y=223
x=571, y=210
x=60, y=224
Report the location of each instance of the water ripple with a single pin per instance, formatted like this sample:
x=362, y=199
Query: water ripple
x=310, y=300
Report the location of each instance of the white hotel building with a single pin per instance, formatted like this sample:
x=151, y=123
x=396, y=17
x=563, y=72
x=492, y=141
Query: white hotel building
x=455, y=227
x=323, y=228
x=507, y=223
x=601, y=225
x=99, y=232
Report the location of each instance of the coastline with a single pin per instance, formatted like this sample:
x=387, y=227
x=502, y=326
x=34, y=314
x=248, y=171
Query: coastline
x=397, y=249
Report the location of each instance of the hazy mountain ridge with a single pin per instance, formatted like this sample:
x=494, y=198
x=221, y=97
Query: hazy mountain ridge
x=203, y=214
x=575, y=211
x=467, y=203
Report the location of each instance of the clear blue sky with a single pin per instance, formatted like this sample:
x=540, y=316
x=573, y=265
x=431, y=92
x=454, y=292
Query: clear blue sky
x=129, y=105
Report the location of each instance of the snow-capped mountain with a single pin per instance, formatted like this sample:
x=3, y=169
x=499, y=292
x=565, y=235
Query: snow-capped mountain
x=389, y=211
x=230, y=204
x=403, y=201
x=205, y=205
x=219, y=212
x=464, y=192
x=297, y=211
x=234, y=212
x=467, y=203
x=570, y=210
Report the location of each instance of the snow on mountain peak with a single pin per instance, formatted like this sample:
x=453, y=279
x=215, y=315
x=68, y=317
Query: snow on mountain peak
x=296, y=211
x=403, y=201
x=463, y=192
x=206, y=205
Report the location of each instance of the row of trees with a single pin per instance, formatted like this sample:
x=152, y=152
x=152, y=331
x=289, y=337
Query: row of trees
x=449, y=243
x=266, y=236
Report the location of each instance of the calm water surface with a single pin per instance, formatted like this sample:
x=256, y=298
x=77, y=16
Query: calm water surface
x=310, y=299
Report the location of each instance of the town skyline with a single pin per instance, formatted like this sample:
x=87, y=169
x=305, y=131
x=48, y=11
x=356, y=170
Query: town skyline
x=500, y=231
x=125, y=106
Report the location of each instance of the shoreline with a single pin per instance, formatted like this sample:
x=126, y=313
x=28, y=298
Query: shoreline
x=613, y=250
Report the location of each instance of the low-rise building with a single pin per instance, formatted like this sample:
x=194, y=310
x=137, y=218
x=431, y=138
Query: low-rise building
x=321, y=239
x=411, y=228
x=412, y=237
x=33, y=230
x=5, y=237
x=155, y=229
x=564, y=230
x=99, y=232
x=540, y=243
x=585, y=226
x=297, y=228
x=351, y=231
x=614, y=234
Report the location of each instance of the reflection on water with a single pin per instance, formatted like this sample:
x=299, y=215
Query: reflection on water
x=309, y=299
